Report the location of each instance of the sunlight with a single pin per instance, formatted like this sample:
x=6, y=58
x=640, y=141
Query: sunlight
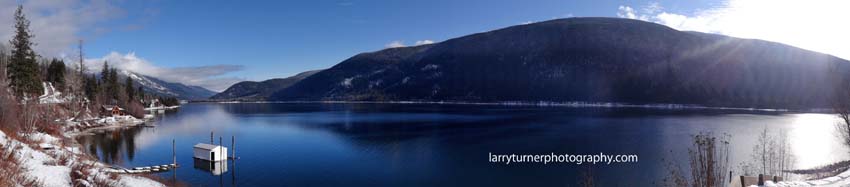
x=814, y=142
x=813, y=25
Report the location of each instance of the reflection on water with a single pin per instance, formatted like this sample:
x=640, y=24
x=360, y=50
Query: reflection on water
x=112, y=146
x=443, y=145
x=813, y=141
x=216, y=168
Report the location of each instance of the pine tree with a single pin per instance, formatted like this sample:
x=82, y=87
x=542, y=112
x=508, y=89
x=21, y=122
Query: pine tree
x=56, y=74
x=113, y=83
x=22, y=69
x=141, y=93
x=91, y=88
x=81, y=67
x=128, y=86
x=104, y=72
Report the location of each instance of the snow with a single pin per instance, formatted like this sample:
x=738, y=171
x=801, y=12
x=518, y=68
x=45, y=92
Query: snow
x=840, y=180
x=148, y=83
x=375, y=83
x=36, y=164
x=430, y=67
x=162, y=107
x=50, y=95
x=46, y=170
x=120, y=119
x=132, y=181
x=347, y=82
x=43, y=138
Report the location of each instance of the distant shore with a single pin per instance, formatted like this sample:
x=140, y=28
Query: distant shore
x=574, y=104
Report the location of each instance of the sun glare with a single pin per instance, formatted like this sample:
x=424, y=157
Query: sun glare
x=814, y=141
x=814, y=25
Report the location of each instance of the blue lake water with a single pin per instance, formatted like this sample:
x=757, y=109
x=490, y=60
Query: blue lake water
x=285, y=144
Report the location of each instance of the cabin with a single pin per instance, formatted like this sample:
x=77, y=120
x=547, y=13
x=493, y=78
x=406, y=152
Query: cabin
x=111, y=110
x=210, y=152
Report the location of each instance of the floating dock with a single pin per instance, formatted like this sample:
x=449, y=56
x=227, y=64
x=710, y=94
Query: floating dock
x=145, y=169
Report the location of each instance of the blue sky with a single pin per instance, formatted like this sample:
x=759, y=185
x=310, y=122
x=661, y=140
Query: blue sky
x=281, y=38
x=258, y=40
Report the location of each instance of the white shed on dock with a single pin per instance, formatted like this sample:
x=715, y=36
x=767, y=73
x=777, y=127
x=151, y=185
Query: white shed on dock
x=210, y=152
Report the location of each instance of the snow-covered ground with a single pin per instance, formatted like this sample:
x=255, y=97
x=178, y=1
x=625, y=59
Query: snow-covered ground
x=51, y=95
x=840, y=180
x=126, y=119
x=162, y=107
x=53, y=166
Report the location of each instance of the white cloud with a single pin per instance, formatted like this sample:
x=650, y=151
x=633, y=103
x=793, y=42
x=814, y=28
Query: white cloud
x=815, y=25
x=395, y=44
x=210, y=77
x=629, y=12
x=399, y=43
x=58, y=24
x=652, y=7
x=424, y=42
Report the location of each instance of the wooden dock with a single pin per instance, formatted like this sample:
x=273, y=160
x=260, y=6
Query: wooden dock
x=150, y=169
x=145, y=169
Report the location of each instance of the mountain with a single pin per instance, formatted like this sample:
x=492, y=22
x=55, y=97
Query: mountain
x=259, y=91
x=164, y=88
x=586, y=60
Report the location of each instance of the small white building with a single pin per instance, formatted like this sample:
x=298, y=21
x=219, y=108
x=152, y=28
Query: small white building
x=210, y=152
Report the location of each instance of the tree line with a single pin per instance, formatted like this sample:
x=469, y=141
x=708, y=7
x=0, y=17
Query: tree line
x=24, y=74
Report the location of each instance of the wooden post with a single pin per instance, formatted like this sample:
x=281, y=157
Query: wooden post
x=173, y=152
x=730, y=176
x=233, y=146
x=211, y=138
x=221, y=144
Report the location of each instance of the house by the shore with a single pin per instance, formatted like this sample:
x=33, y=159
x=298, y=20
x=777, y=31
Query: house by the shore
x=112, y=110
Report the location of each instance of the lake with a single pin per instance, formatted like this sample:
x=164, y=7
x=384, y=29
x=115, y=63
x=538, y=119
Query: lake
x=316, y=144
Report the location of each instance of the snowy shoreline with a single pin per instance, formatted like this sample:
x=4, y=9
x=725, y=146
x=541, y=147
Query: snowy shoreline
x=56, y=161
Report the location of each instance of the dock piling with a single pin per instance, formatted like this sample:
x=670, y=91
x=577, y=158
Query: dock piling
x=233, y=147
x=173, y=151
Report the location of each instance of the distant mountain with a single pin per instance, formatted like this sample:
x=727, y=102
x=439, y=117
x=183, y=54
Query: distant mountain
x=588, y=60
x=259, y=91
x=170, y=89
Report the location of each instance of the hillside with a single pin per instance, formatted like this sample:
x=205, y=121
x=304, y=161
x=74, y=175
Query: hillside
x=169, y=89
x=589, y=60
x=259, y=91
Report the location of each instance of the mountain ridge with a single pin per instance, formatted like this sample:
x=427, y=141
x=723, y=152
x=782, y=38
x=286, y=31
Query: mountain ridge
x=585, y=60
x=165, y=88
x=259, y=91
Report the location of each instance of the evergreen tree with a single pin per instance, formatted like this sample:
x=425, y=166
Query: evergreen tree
x=128, y=86
x=104, y=72
x=109, y=82
x=56, y=73
x=141, y=93
x=91, y=88
x=22, y=69
x=113, y=90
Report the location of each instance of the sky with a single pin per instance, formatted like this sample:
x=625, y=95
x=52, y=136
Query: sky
x=214, y=44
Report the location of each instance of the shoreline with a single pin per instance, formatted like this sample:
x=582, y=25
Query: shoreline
x=59, y=159
x=665, y=106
